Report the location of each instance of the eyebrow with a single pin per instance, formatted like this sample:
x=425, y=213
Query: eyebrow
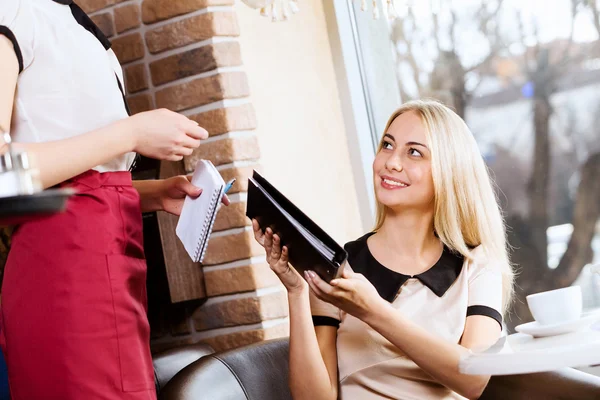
x=387, y=135
x=416, y=144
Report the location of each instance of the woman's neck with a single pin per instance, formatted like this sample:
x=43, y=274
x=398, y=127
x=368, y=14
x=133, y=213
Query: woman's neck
x=409, y=233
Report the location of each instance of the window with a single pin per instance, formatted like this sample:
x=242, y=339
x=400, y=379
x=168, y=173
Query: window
x=526, y=78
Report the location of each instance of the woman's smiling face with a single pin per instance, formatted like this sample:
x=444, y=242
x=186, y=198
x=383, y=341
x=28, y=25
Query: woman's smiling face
x=402, y=167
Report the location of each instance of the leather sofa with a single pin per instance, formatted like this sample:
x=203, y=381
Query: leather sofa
x=169, y=362
x=260, y=372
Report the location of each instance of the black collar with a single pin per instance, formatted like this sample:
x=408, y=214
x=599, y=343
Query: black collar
x=438, y=278
x=65, y=2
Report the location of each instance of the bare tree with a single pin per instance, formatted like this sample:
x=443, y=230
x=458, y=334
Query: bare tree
x=592, y=5
x=447, y=80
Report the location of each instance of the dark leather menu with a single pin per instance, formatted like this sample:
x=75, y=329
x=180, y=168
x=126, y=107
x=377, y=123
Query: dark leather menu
x=310, y=248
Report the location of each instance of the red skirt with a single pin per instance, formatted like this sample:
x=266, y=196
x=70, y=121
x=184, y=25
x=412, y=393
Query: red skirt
x=74, y=323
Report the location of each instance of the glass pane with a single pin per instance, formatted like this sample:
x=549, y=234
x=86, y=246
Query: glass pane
x=376, y=58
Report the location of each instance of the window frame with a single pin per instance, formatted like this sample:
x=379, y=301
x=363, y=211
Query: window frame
x=362, y=111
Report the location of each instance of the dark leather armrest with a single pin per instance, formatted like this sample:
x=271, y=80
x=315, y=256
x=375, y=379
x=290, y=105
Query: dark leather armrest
x=169, y=362
x=208, y=378
x=257, y=372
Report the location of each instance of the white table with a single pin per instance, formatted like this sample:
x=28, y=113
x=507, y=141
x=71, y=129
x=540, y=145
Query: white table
x=521, y=354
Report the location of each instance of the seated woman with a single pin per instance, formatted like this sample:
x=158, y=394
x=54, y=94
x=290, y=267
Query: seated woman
x=429, y=284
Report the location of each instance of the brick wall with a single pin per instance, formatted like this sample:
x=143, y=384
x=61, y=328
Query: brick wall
x=184, y=55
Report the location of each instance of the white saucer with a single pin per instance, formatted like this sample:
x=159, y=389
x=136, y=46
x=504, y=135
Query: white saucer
x=536, y=329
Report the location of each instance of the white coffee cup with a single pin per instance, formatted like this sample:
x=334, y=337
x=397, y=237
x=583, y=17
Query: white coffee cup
x=556, y=306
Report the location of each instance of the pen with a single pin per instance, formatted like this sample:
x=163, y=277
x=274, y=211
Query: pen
x=229, y=185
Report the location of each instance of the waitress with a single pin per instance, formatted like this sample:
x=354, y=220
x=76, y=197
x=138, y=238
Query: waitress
x=74, y=322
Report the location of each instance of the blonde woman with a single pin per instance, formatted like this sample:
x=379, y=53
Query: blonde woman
x=429, y=284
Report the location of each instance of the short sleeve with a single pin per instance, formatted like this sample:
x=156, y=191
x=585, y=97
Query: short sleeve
x=485, y=289
x=324, y=313
x=17, y=24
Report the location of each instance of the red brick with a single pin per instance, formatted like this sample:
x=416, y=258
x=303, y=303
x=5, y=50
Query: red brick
x=225, y=151
x=193, y=29
x=195, y=61
x=237, y=246
x=203, y=91
x=139, y=103
x=89, y=6
x=127, y=17
x=135, y=78
x=128, y=48
x=233, y=216
x=229, y=119
x=242, y=311
x=241, y=174
x=239, y=279
x=158, y=10
x=104, y=21
x=238, y=339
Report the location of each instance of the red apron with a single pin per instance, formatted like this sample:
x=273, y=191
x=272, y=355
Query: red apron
x=74, y=304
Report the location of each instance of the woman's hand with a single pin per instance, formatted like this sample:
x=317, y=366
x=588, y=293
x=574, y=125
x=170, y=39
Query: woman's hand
x=277, y=257
x=164, y=134
x=168, y=194
x=352, y=293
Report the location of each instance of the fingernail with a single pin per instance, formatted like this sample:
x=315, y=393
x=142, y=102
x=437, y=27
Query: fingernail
x=306, y=275
x=312, y=274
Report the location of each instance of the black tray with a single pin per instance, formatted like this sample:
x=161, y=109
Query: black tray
x=47, y=202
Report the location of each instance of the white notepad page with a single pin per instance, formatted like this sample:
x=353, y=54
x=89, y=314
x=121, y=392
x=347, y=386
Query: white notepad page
x=198, y=215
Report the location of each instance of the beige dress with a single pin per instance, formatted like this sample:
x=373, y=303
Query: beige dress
x=439, y=300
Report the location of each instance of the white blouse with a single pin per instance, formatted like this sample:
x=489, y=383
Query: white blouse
x=68, y=82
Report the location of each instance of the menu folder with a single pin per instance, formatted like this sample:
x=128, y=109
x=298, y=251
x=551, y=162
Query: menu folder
x=309, y=246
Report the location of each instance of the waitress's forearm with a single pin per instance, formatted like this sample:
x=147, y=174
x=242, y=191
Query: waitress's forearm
x=309, y=378
x=149, y=191
x=9, y=71
x=60, y=160
x=434, y=355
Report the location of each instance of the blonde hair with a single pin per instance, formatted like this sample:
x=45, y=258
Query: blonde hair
x=466, y=209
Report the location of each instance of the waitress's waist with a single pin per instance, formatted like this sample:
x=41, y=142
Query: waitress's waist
x=95, y=179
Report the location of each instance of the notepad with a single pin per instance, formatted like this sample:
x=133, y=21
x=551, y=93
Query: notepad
x=309, y=246
x=198, y=214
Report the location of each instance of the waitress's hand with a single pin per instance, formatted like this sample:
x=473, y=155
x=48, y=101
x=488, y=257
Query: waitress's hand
x=164, y=134
x=277, y=257
x=168, y=194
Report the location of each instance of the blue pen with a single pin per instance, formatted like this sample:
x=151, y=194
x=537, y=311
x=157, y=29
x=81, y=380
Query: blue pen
x=229, y=185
